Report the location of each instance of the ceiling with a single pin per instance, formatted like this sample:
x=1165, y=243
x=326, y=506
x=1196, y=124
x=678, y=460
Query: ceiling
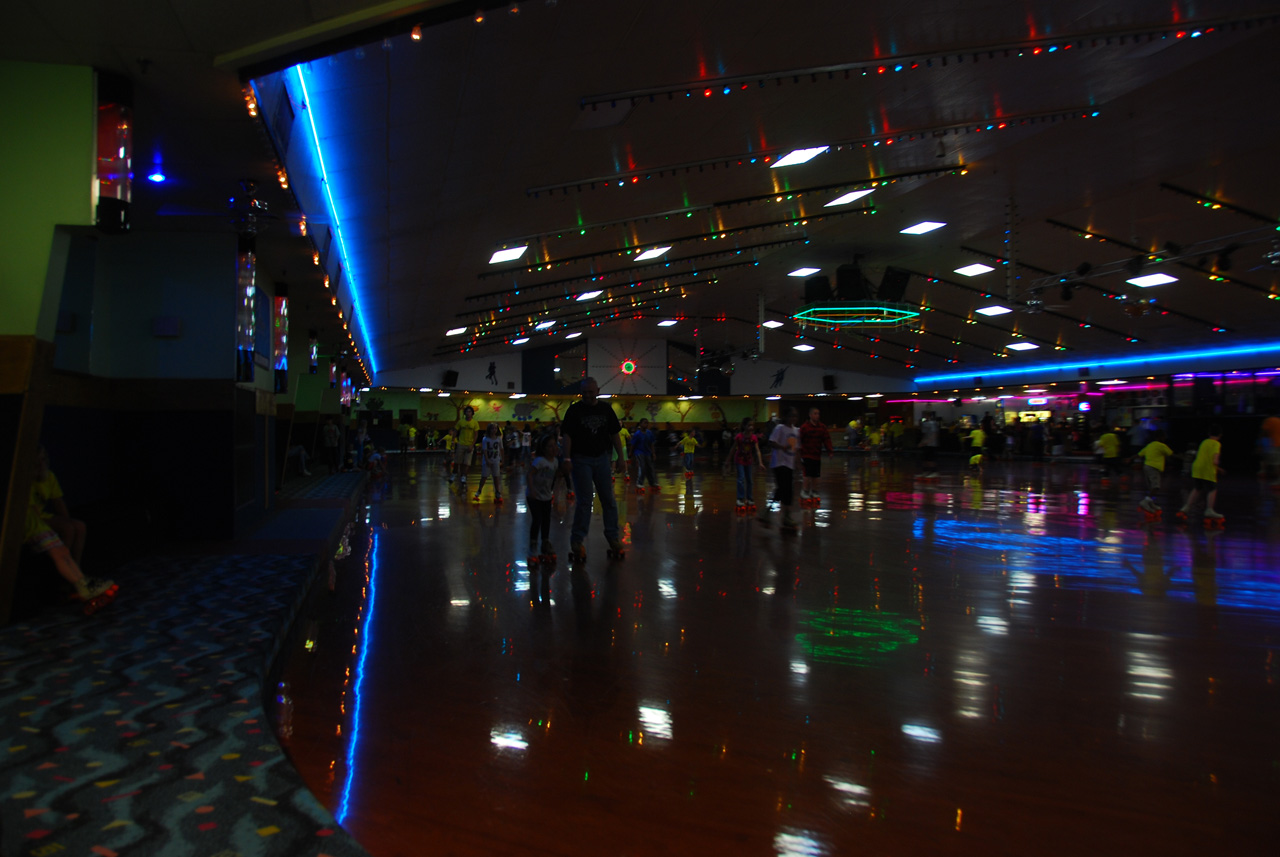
x=520, y=129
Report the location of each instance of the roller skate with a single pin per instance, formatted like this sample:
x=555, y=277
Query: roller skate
x=547, y=559
x=741, y=508
x=534, y=557
x=751, y=508
x=1213, y=520
x=1150, y=510
x=688, y=474
x=640, y=490
x=476, y=498
x=568, y=495
x=617, y=550
x=498, y=499
x=655, y=489
x=577, y=553
x=96, y=594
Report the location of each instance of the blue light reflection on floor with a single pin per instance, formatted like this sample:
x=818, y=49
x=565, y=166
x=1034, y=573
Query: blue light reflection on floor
x=1121, y=564
x=366, y=635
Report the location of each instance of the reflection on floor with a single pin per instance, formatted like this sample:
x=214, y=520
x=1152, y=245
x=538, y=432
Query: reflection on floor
x=1012, y=664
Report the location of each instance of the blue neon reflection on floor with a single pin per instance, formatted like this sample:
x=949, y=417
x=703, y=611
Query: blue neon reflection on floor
x=366, y=635
x=1184, y=559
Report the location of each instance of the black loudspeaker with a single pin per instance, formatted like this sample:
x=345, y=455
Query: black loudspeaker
x=450, y=378
x=851, y=285
x=817, y=289
x=894, y=285
x=828, y=382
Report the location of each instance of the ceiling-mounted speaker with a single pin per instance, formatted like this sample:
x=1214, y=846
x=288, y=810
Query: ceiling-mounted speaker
x=851, y=285
x=450, y=378
x=828, y=382
x=893, y=288
x=817, y=289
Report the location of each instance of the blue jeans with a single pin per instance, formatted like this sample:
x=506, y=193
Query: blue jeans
x=592, y=471
x=744, y=483
x=644, y=469
x=688, y=461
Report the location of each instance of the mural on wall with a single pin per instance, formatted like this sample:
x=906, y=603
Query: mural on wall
x=432, y=408
x=628, y=366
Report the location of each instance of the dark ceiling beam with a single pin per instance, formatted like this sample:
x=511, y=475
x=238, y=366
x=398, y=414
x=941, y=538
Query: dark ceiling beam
x=1061, y=45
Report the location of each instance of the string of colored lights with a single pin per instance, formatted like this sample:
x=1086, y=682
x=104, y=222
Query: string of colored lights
x=1059, y=45
x=551, y=305
x=764, y=158
x=309, y=107
x=1215, y=203
x=592, y=279
x=1090, y=234
x=712, y=235
x=1057, y=346
x=552, y=313
x=1162, y=309
x=1104, y=366
x=660, y=263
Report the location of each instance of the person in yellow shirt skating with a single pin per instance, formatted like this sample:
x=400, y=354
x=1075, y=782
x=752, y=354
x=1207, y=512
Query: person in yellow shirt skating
x=688, y=444
x=1204, y=476
x=1153, y=456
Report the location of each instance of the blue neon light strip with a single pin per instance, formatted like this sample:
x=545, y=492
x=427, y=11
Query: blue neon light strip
x=337, y=225
x=366, y=633
x=1256, y=350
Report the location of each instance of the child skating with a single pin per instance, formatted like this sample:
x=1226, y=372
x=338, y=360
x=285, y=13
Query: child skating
x=746, y=455
x=784, y=442
x=1204, y=477
x=688, y=444
x=1153, y=455
x=491, y=462
x=541, y=488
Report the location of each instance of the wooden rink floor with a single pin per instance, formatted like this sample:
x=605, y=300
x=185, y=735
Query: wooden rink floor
x=1008, y=664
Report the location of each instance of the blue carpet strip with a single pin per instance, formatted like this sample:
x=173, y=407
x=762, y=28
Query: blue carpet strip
x=141, y=729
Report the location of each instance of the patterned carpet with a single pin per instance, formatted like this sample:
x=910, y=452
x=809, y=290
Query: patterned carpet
x=141, y=729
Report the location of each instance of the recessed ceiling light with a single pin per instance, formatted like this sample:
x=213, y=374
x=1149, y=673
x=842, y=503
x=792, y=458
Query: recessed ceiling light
x=521, y=341
x=1150, y=280
x=455, y=331
x=652, y=253
x=668, y=323
x=771, y=323
x=1037, y=390
x=1021, y=346
x=994, y=310
x=543, y=325
x=586, y=296
x=773, y=398
x=508, y=255
x=855, y=398
x=442, y=395
x=803, y=272
x=803, y=347
x=605, y=396
x=799, y=156
x=848, y=198
x=516, y=396
x=573, y=335
x=875, y=395
x=1105, y=383
x=974, y=270
x=923, y=227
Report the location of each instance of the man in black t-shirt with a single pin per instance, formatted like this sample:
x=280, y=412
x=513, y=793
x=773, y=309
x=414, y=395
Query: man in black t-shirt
x=590, y=429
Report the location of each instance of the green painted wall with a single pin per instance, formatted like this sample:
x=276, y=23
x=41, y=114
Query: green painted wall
x=47, y=172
